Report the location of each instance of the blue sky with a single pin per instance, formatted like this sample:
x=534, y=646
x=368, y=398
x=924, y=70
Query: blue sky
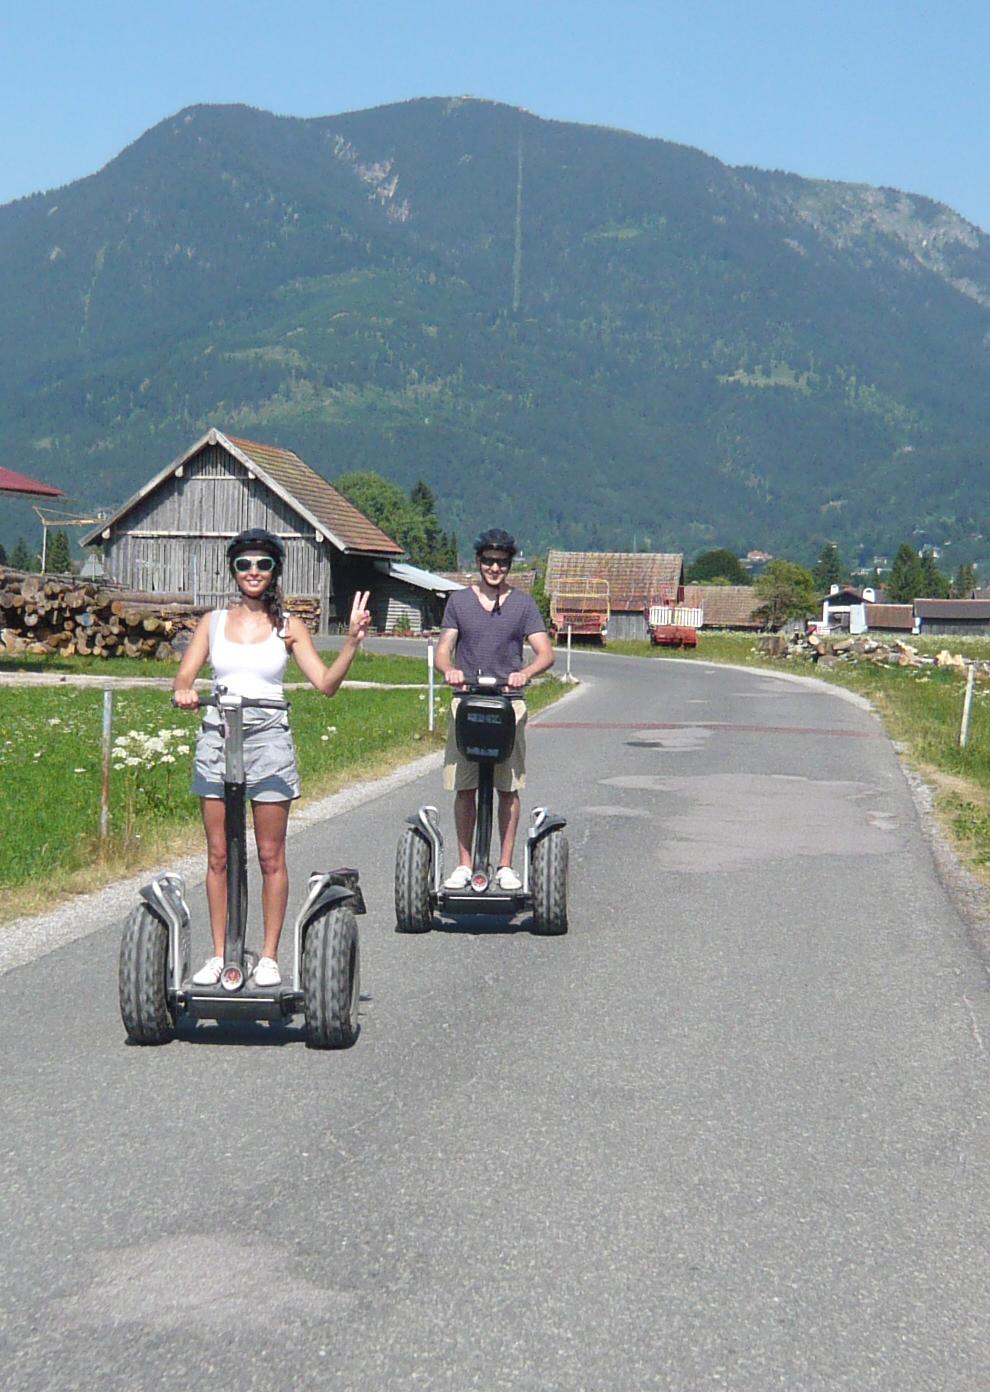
x=873, y=91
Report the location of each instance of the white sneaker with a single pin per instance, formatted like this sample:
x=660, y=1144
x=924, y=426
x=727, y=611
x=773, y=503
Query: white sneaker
x=460, y=879
x=506, y=878
x=209, y=973
x=266, y=973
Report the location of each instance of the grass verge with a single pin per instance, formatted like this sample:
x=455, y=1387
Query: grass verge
x=50, y=764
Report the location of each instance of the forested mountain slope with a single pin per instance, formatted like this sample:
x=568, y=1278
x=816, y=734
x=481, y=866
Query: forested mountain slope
x=603, y=339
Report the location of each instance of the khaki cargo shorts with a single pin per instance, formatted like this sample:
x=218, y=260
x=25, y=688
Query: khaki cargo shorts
x=460, y=773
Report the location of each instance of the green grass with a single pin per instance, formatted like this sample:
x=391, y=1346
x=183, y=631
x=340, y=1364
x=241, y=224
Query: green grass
x=50, y=765
x=379, y=667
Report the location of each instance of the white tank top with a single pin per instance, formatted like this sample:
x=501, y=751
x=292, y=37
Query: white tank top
x=247, y=669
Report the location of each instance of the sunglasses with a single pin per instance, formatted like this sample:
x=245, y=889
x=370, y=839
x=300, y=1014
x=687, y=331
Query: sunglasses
x=264, y=564
x=503, y=562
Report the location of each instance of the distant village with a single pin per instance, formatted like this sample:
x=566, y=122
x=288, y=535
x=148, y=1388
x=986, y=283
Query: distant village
x=166, y=544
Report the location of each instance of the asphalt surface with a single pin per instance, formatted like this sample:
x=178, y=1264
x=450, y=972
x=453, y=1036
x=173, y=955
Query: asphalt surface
x=732, y=1131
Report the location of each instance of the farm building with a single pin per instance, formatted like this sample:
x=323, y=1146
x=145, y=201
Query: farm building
x=171, y=537
x=724, y=606
x=953, y=616
x=890, y=618
x=620, y=584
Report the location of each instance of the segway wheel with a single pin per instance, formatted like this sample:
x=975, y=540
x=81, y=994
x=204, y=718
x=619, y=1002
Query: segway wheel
x=412, y=884
x=548, y=882
x=331, y=980
x=142, y=979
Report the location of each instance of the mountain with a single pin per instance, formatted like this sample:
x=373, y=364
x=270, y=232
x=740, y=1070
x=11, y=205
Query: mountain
x=598, y=339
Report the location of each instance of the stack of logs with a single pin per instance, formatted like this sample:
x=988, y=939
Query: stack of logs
x=60, y=613
x=47, y=613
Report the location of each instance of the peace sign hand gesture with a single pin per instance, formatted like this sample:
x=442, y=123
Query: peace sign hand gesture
x=360, y=620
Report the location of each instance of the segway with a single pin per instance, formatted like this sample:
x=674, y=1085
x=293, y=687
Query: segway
x=155, y=979
x=485, y=729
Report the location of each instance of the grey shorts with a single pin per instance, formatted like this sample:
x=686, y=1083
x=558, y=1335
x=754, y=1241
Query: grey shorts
x=460, y=774
x=269, y=764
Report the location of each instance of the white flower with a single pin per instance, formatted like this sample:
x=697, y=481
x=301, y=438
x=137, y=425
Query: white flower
x=78, y=770
x=182, y=748
x=131, y=761
x=324, y=738
x=54, y=720
x=167, y=759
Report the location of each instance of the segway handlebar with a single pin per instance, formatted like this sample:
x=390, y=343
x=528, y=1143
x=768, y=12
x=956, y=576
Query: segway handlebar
x=486, y=686
x=255, y=702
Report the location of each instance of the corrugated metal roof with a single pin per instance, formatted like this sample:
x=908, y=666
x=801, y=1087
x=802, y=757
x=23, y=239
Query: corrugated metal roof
x=338, y=517
x=635, y=578
x=421, y=579
x=977, y=609
x=13, y=482
x=724, y=606
x=895, y=616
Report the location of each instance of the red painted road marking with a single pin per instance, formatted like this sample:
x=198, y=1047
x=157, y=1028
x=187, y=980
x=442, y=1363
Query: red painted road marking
x=725, y=727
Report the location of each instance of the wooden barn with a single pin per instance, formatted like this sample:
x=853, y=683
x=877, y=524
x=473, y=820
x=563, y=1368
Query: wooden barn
x=171, y=537
x=629, y=581
x=729, y=607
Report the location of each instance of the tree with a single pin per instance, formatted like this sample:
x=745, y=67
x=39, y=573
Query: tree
x=965, y=582
x=411, y=521
x=828, y=568
x=934, y=585
x=716, y=565
x=3, y=556
x=21, y=558
x=904, y=583
x=58, y=557
x=785, y=591
x=540, y=596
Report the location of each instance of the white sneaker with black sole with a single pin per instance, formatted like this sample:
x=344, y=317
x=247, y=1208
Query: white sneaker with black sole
x=209, y=973
x=266, y=973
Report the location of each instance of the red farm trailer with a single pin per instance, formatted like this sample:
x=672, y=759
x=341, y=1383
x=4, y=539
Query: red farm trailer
x=581, y=605
x=673, y=626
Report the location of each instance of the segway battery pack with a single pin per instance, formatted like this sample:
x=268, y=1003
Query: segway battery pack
x=485, y=728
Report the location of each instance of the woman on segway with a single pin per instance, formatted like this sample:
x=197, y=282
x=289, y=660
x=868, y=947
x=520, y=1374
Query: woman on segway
x=248, y=646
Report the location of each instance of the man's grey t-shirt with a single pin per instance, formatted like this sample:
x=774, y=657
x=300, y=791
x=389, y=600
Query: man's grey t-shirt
x=491, y=642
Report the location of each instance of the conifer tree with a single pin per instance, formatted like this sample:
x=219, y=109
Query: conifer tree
x=934, y=584
x=58, y=557
x=904, y=583
x=965, y=582
x=828, y=568
x=21, y=558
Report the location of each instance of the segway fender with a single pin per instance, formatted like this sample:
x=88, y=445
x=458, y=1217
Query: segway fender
x=426, y=824
x=166, y=898
x=325, y=890
x=544, y=823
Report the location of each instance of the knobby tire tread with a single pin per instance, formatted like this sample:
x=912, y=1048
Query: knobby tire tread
x=412, y=885
x=330, y=988
x=549, y=885
x=141, y=979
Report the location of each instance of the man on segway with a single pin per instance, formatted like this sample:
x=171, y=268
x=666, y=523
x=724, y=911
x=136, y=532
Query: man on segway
x=483, y=630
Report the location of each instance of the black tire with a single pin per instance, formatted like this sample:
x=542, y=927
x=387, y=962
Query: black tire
x=548, y=882
x=142, y=979
x=331, y=980
x=412, y=884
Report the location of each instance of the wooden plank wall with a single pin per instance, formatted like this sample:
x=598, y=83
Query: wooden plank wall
x=175, y=539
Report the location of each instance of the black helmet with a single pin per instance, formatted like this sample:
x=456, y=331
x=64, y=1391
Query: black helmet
x=257, y=539
x=497, y=539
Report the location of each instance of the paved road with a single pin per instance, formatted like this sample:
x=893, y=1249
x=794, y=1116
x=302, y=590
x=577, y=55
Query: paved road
x=731, y=1132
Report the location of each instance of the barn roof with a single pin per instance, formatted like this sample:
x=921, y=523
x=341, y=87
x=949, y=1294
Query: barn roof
x=724, y=606
x=635, y=578
x=899, y=617
x=301, y=487
x=13, y=482
x=978, y=609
